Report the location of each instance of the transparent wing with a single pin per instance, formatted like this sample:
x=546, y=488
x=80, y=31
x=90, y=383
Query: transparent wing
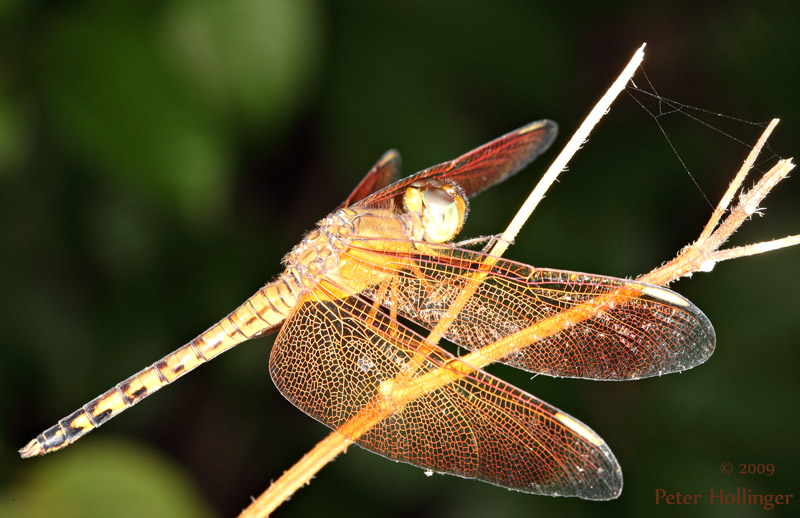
x=480, y=168
x=563, y=323
x=345, y=363
x=385, y=171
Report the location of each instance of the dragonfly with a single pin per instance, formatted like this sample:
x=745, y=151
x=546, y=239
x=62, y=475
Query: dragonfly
x=386, y=262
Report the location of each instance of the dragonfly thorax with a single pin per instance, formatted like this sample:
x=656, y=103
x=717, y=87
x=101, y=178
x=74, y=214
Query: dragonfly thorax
x=356, y=247
x=318, y=253
x=432, y=211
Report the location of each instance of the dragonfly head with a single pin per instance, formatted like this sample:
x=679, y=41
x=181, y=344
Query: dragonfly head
x=440, y=206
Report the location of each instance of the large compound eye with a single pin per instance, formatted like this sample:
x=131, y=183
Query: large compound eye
x=442, y=208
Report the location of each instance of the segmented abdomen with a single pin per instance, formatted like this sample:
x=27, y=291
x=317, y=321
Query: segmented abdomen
x=260, y=314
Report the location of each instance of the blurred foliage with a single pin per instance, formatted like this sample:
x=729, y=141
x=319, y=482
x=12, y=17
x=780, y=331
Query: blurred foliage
x=138, y=483
x=158, y=100
x=157, y=159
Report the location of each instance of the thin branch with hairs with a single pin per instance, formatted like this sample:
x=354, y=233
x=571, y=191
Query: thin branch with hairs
x=702, y=255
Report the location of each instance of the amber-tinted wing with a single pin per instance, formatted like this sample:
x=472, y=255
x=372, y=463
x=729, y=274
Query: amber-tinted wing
x=385, y=171
x=480, y=168
x=342, y=361
x=566, y=323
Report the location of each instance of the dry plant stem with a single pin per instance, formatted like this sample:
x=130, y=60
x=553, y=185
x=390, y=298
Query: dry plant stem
x=283, y=488
x=302, y=472
x=703, y=254
x=697, y=257
x=527, y=208
x=737, y=181
x=561, y=161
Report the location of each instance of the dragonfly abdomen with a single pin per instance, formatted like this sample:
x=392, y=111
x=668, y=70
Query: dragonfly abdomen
x=259, y=314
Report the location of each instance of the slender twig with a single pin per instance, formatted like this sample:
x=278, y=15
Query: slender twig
x=737, y=181
x=302, y=472
x=560, y=163
x=705, y=253
x=700, y=256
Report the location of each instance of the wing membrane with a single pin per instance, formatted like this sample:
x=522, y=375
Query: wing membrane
x=564, y=323
x=480, y=168
x=335, y=360
x=385, y=171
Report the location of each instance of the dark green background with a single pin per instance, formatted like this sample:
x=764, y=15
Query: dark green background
x=158, y=159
